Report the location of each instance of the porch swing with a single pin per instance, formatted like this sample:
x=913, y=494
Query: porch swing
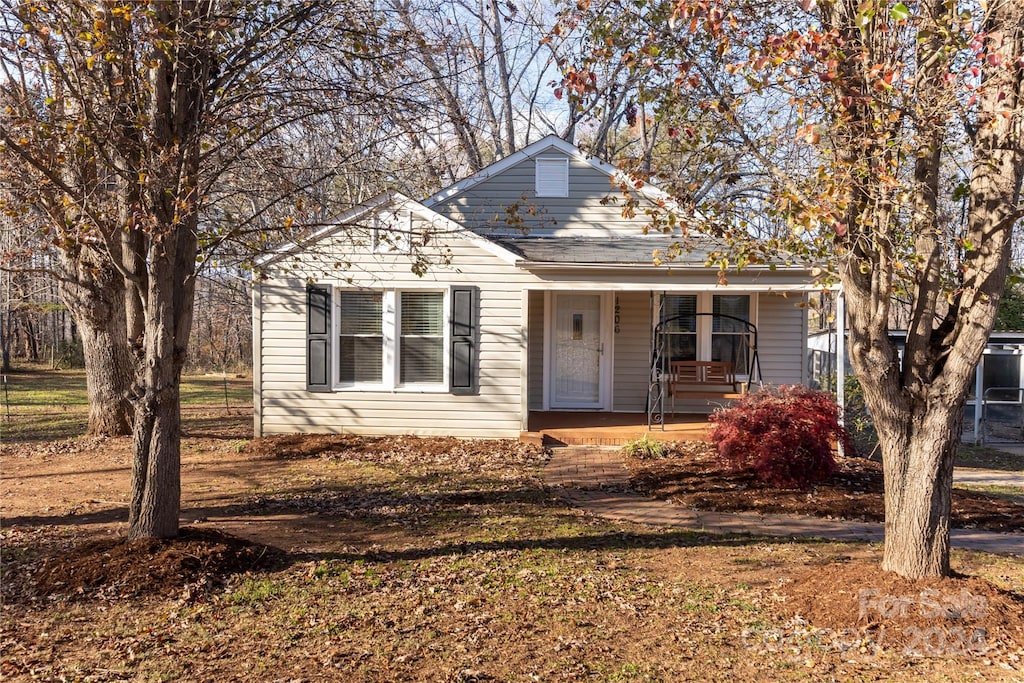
x=672, y=377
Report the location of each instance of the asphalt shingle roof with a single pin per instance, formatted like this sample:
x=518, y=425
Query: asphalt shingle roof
x=637, y=250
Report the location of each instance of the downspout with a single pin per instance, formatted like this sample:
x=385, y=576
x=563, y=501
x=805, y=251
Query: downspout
x=257, y=356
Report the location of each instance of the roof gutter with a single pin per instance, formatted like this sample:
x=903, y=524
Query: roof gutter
x=633, y=267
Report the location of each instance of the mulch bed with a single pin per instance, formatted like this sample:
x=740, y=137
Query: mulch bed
x=933, y=617
x=198, y=558
x=691, y=475
x=117, y=567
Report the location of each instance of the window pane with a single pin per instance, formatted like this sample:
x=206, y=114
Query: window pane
x=360, y=312
x=681, y=347
x=361, y=342
x=729, y=342
x=421, y=313
x=735, y=305
x=422, y=362
x=730, y=348
x=1000, y=370
x=421, y=359
x=361, y=359
x=680, y=313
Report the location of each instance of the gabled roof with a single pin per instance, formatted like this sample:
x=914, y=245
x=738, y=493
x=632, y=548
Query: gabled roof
x=379, y=203
x=648, y=191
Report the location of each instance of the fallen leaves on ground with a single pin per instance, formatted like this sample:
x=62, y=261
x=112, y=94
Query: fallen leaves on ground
x=419, y=560
x=691, y=475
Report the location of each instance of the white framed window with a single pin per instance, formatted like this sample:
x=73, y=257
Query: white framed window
x=392, y=233
x=729, y=336
x=552, y=176
x=392, y=339
x=681, y=326
x=721, y=336
x=360, y=336
x=421, y=338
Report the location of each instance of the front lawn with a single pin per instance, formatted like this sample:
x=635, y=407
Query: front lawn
x=440, y=560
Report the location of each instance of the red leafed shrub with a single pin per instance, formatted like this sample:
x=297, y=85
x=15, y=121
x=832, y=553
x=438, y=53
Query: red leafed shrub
x=784, y=435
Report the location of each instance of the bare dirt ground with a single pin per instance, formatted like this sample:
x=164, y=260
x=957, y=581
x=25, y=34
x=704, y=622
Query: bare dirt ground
x=338, y=558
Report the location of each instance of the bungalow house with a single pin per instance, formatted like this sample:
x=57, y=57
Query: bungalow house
x=525, y=291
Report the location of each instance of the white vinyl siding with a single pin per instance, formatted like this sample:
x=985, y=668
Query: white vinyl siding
x=285, y=405
x=632, y=370
x=782, y=338
x=495, y=411
x=392, y=233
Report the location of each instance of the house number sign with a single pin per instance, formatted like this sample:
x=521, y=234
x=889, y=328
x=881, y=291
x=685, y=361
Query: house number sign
x=618, y=314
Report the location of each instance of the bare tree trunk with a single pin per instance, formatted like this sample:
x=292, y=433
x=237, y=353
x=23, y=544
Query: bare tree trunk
x=95, y=297
x=108, y=377
x=5, y=340
x=918, y=485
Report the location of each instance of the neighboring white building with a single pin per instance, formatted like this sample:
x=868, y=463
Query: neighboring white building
x=538, y=292
x=1000, y=374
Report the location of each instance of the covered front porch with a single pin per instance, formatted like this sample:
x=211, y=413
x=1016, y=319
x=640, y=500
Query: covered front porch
x=602, y=360
x=586, y=428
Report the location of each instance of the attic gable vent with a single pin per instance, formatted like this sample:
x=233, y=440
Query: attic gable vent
x=552, y=177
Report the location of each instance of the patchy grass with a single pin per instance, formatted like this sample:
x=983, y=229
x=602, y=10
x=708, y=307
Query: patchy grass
x=1014, y=494
x=989, y=458
x=203, y=390
x=42, y=404
x=428, y=560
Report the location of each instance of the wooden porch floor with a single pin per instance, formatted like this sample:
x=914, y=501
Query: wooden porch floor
x=572, y=428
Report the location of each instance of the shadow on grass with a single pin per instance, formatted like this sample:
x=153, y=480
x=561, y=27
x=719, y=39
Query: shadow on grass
x=430, y=519
x=42, y=427
x=371, y=503
x=616, y=540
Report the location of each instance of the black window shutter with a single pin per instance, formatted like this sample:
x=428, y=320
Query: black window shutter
x=318, y=338
x=465, y=361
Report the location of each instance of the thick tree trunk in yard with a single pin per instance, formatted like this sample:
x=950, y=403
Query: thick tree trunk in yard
x=918, y=485
x=95, y=296
x=917, y=401
x=156, y=465
x=156, y=461
x=108, y=378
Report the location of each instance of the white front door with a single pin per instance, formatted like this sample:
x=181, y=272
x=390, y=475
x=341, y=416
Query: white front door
x=577, y=352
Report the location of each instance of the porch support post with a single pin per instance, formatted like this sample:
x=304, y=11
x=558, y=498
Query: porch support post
x=524, y=361
x=841, y=360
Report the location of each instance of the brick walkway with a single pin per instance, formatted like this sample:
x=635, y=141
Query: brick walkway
x=595, y=479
